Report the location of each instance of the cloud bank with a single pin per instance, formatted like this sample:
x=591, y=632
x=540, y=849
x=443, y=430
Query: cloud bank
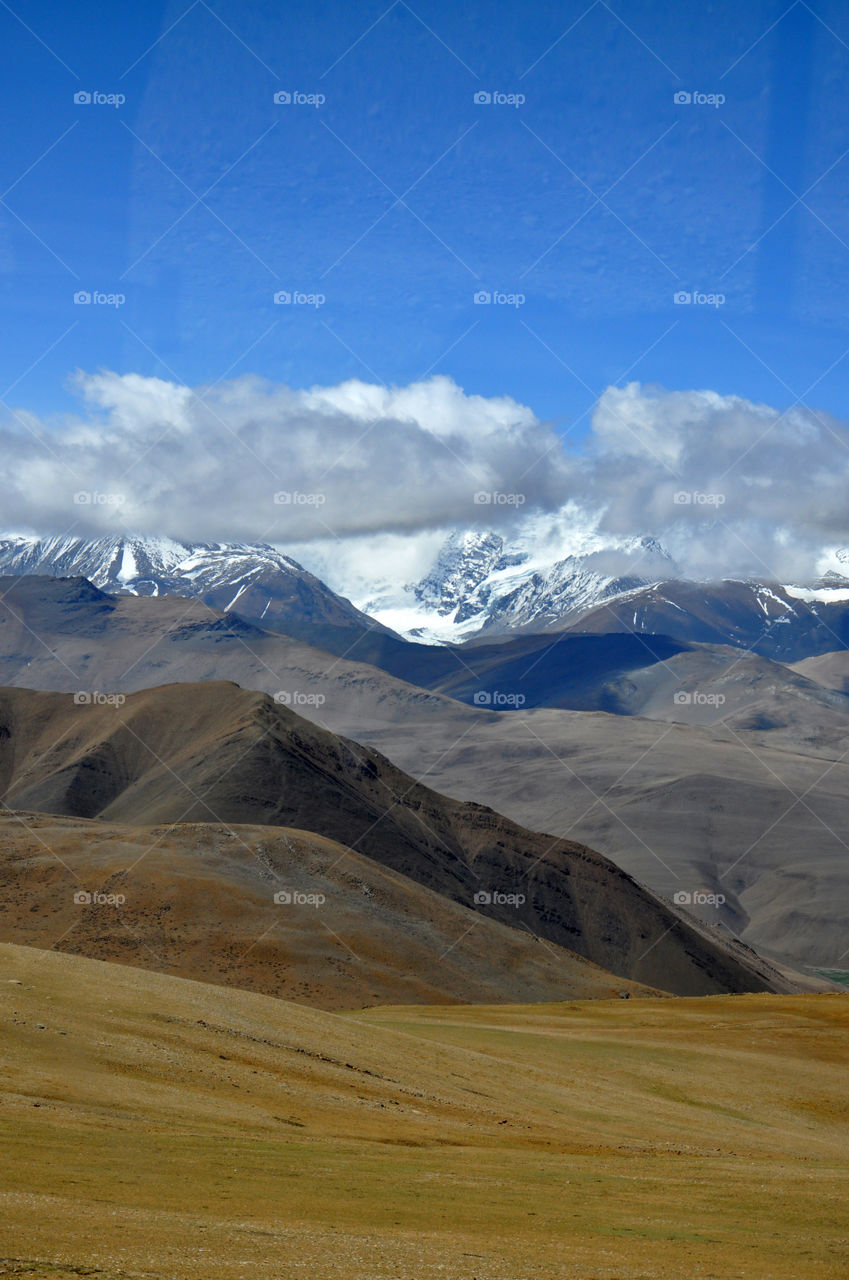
x=248, y=459
x=729, y=486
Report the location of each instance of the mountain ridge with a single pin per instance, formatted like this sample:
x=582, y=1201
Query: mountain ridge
x=217, y=753
x=267, y=585
x=481, y=589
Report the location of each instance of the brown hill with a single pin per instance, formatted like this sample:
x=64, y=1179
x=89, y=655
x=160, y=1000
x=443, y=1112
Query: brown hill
x=67, y=635
x=831, y=670
x=198, y=900
x=216, y=753
x=681, y=808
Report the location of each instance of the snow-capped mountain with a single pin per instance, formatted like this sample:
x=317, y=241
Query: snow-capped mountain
x=516, y=595
x=786, y=624
x=478, y=586
x=258, y=581
x=481, y=584
x=464, y=563
x=561, y=572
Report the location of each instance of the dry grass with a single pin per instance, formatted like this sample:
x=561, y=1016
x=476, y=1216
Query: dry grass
x=158, y=1127
x=198, y=903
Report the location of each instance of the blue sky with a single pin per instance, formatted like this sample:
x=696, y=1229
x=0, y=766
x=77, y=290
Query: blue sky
x=596, y=199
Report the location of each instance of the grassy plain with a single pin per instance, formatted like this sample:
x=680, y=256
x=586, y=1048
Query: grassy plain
x=157, y=1127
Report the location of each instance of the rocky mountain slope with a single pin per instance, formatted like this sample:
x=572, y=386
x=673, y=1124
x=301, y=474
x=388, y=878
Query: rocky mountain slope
x=216, y=753
x=285, y=912
x=782, y=622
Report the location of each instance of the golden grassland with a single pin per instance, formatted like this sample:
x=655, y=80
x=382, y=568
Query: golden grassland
x=157, y=1127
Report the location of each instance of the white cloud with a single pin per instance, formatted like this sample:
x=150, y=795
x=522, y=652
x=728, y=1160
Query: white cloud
x=387, y=470
x=206, y=464
x=731, y=487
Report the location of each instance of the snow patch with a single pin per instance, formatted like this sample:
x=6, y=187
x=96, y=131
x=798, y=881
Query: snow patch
x=824, y=595
x=129, y=568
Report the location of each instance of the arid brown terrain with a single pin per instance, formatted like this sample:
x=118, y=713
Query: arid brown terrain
x=157, y=1127
x=284, y=912
x=215, y=753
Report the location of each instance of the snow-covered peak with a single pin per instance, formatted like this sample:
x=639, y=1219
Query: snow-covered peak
x=482, y=581
x=465, y=561
x=135, y=564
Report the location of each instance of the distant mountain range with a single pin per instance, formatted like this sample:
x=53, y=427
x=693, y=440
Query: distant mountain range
x=479, y=590
x=67, y=634
x=259, y=582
